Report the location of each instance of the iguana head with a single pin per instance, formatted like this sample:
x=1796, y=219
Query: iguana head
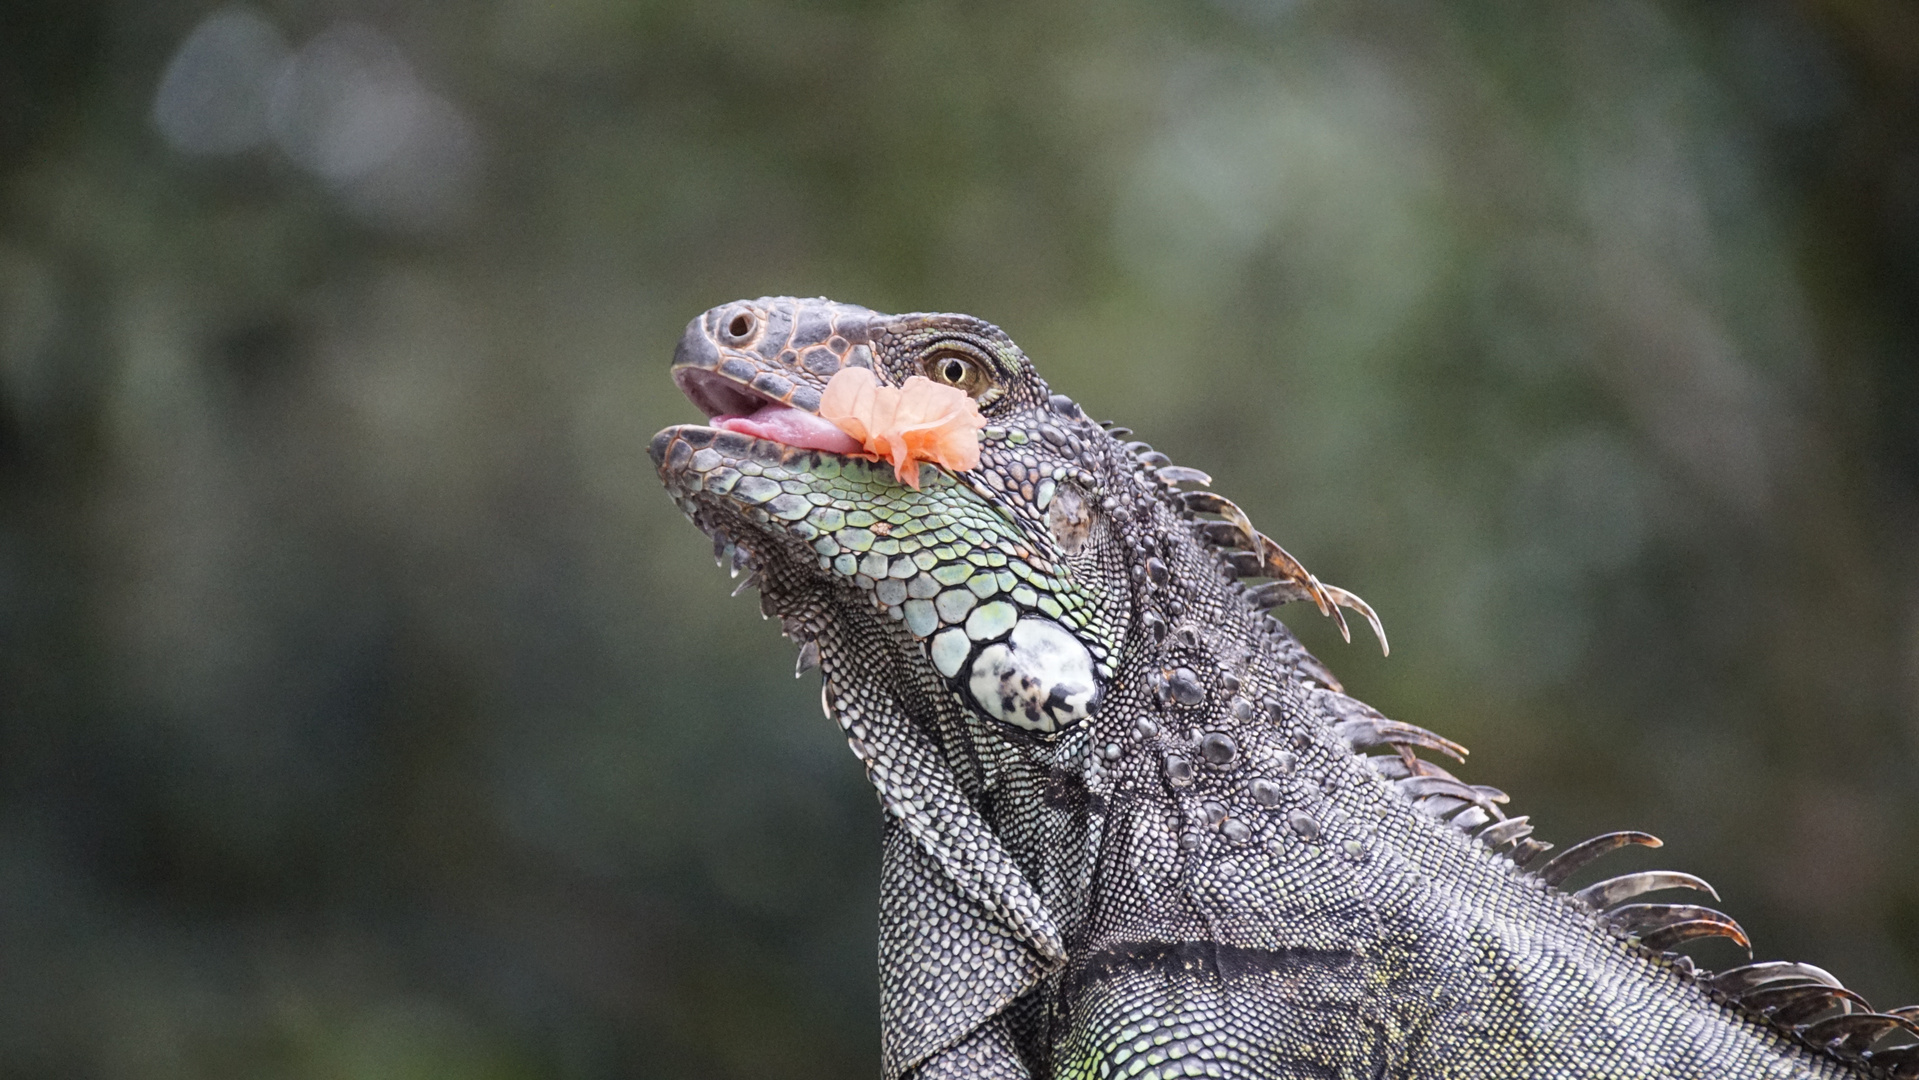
x=1006, y=579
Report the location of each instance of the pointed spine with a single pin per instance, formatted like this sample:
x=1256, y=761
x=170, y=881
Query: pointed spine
x=1570, y=861
x=1616, y=890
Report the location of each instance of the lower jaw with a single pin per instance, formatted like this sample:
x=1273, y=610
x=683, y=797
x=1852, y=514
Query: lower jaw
x=743, y=484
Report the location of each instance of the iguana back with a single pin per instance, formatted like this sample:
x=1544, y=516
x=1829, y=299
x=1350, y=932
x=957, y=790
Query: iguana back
x=1133, y=827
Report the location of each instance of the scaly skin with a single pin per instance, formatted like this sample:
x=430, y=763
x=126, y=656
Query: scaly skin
x=1128, y=832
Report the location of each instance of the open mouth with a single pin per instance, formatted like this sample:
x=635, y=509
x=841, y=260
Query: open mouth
x=733, y=406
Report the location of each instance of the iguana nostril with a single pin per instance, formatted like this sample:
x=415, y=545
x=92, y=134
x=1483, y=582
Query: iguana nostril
x=740, y=327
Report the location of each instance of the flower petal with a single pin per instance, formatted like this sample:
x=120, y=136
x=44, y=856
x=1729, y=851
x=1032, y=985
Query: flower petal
x=848, y=401
x=920, y=421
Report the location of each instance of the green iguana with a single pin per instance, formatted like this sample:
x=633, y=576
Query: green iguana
x=1133, y=828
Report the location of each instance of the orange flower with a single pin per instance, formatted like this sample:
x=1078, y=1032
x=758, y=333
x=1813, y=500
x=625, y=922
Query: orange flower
x=920, y=421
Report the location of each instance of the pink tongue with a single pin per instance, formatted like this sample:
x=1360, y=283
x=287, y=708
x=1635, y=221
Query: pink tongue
x=785, y=424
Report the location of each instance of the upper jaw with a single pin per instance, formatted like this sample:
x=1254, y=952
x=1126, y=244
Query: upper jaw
x=718, y=395
x=720, y=378
x=739, y=396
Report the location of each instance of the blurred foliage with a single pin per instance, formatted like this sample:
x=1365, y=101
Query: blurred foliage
x=366, y=710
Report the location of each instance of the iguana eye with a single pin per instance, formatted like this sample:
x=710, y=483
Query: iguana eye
x=957, y=369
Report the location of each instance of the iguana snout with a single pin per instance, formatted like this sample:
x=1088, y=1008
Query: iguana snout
x=758, y=368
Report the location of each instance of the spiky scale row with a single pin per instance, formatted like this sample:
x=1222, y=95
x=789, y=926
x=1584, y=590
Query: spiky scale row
x=1797, y=999
x=1816, y=1011
x=1807, y=1003
x=1293, y=581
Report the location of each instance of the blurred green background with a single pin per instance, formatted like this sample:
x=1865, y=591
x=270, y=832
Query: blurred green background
x=367, y=710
